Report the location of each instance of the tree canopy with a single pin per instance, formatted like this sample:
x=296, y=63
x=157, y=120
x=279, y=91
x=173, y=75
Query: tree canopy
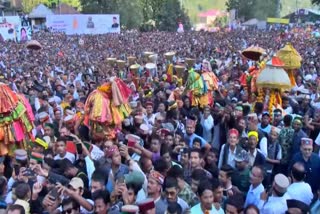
x=28, y=5
x=248, y=9
x=135, y=13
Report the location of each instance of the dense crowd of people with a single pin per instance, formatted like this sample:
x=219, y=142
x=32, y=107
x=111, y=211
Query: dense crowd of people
x=233, y=156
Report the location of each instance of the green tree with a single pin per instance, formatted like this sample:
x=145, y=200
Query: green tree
x=129, y=11
x=248, y=9
x=98, y=6
x=28, y=5
x=170, y=15
x=316, y=2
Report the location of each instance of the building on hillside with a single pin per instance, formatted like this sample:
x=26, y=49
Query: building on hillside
x=207, y=19
x=304, y=15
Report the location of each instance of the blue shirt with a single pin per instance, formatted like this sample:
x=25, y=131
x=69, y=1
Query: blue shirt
x=266, y=129
x=189, y=139
x=312, y=167
x=253, y=196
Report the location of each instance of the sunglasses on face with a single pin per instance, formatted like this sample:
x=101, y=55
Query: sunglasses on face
x=68, y=211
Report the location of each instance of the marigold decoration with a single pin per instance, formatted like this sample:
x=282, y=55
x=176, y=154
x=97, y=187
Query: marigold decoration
x=274, y=78
x=106, y=107
x=16, y=120
x=291, y=59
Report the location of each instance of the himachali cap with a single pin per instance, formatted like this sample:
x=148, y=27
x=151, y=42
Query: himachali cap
x=234, y=132
x=146, y=205
x=50, y=125
x=43, y=116
x=36, y=156
x=239, y=108
x=165, y=131
x=306, y=141
x=129, y=209
x=68, y=119
x=292, y=203
x=282, y=183
x=20, y=154
x=157, y=176
x=149, y=103
x=242, y=156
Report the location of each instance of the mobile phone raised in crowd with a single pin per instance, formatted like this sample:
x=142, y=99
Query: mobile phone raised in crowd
x=79, y=148
x=53, y=195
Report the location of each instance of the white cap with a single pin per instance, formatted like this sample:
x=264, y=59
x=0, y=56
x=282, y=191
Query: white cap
x=68, y=118
x=43, y=115
x=52, y=100
x=308, y=77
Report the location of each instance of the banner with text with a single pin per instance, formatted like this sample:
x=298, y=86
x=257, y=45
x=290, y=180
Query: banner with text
x=84, y=24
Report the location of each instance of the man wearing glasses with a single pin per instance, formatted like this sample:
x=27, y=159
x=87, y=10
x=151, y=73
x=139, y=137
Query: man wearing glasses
x=311, y=163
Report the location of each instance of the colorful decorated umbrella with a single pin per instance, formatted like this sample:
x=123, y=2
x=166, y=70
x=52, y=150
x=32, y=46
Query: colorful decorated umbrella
x=291, y=59
x=274, y=78
x=254, y=53
x=34, y=45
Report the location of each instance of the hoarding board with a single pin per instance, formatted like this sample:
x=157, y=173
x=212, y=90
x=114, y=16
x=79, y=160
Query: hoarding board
x=84, y=24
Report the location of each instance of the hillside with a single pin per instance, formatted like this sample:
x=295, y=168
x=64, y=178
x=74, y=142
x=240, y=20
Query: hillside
x=196, y=6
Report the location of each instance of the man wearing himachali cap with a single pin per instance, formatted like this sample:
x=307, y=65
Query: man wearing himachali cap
x=154, y=189
x=275, y=202
x=311, y=163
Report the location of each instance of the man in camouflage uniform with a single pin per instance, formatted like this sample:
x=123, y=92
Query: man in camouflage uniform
x=285, y=140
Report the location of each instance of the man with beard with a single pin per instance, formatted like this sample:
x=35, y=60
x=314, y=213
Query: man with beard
x=190, y=135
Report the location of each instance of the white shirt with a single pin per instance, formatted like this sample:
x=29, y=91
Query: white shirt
x=68, y=155
x=300, y=191
x=274, y=205
x=207, y=124
x=253, y=196
x=197, y=210
x=252, y=157
x=263, y=145
x=231, y=156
